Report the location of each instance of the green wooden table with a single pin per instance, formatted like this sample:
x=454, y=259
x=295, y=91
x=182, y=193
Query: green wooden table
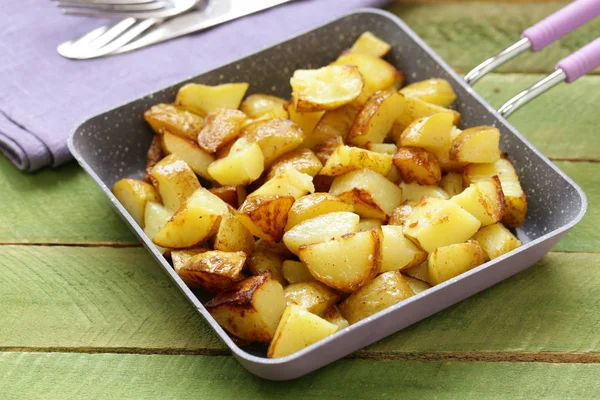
x=86, y=313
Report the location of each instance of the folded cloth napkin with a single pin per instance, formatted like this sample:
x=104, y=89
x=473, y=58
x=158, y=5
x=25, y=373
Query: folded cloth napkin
x=43, y=96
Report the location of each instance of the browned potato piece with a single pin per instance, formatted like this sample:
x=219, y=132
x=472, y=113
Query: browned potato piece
x=323, y=183
x=213, y=271
x=203, y=99
x=435, y=91
x=295, y=271
x=266, y=216
x=243, y=165
x=325, y=88
x=261, y=105
x=288, y=182
x=313, y=296
x=450, y=261
x=415, y=109
x=303, y=160
x=452, y=183
x=188, y=151
x=134, y=195
x=476, y=145
x=232, y=235
x=414, y=192
x=398, y=252
x=417, y=165
x=174, y=180
x=251, y=309
x=262, y=260
x=319, y=229
x=496, y=240
x=275, y=137
x=333, y=123
x=278, y=248
x=382, y=292
x=307, y=121
x=313, y=205
x=346, y=158
x=371, y=45
x=428, y=132
x=335, y=317
x=155, y=154
x=375, y=120
x=399, y=215
x=180, y=122
x=325, y=149
x=345, y=263
x=232, y=195
x=484, y=200
x=180, y=257
x=221, y=126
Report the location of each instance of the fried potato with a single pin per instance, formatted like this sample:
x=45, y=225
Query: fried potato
x=213, y=271
x=278, y=248
x=154, y=155
x=307, y=121
x=345, y=263
x=514, y=196
x=275, y=137
x=496, y=240
x=155, y=217
x=296, y=271
x=346, y=158
x=371, y=194
x=429, y=132
x=414, y=191
x=302, y=160
x=319, y=229
x=415, y=109
x=251, y=309
x=180, y=257
x=450, y=261
x=325, y=149
x=134, y=195
x=221, y=126
x=325, y=88
x=167, y=117
x=419, y=272
x=334, y=316
x=366, y=224
x=261, y=260
x=435, y=223
x=313, y=205
x=398, y=252
x=232, y=195
x=376, y=118
x=174, y=180
x=264, y=105
x=383, y=148
x=188, y=151
x=484, y=200
x=244, y=164
x=266, y=216
x=382, y=292
x=232, y=235
x=435, y=91
x=288, y=182
x=417, y=285
x=371, y=45
x=298, y=329
x=334, y=123
x=476, y=145
x=194, y=222
x=313, y=296
x=417, y=165
x=452, y=183
x=203, y=99
x=399, y=215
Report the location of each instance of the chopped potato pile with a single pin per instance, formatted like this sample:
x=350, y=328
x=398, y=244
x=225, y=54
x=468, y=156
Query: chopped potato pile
x=304, y=216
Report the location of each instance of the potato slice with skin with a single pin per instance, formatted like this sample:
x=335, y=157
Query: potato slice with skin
x=232, y=195
x=325, y=88
x=334, y=316
x=214, y=270
x=484, y=200
x=180, y=257
x=221, y=126
x=419, y=272
x=452, y=183
x=260, y=104
x=399, y=215
x=369, y=44
x=366, y=224
x=435, y=91
x=298, y=329
x=133, y=195
x=382, y=292
x=415, y=109
x=154, y=155
x=414, y=191
x=480, y=144
x=325, y=149
x=416, y=285
x=288, y=182
x=496, y=240
x=251, y=309
x=194, y=222
x=243, y=165
x=275, y=137
x=232, y=235
x=417, y=165
x=296, y=271
x=262, y=261
x=313, y=205
x=313, y=296
x=307, y=121
x=319, y=229
x=375, y=120
x=155, y=217
x=174, y=180
x=334, y=123
x=345, y=263
x=266, y=216
x=371, y=194
x=450, y=261
x=188, y=151
x=203, y=99
x=345, y=159
x=180, y=122
x=398, y=252
x=302, y=160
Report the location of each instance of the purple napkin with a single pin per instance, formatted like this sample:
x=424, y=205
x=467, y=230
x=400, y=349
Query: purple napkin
x=43, y=96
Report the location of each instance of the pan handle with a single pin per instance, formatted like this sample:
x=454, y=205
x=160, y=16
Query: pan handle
x=540, y=35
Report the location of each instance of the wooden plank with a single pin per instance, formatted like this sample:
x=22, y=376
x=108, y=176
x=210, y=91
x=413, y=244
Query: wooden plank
x=119, y=300
x=110, y=376
x=466, y=33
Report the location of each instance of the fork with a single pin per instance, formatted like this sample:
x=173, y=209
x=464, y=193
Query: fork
x=142, y=9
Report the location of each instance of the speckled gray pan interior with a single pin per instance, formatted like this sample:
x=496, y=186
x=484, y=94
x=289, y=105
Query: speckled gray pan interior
x=113, y=145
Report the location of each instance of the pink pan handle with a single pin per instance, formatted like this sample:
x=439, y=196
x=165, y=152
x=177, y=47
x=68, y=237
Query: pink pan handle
x=582, y=62
x=561, y=22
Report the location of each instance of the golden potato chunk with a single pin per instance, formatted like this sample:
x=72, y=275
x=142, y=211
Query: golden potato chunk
x=264, y=105
x=371, y=45
x=325, y=149
x=345, y=159
x=325, y=88
x=262, y=260
x=266, y=216
x=383, y=148
x=435, y=91
x=232, y=235
x=298, y=329
x=417, y=165
x=419, y=272
x=221, y=126
x=167, y=117
x=450, y=261
x=155, y=217
x=397, y=252
x=366, y=224
x=251, y=309
x=375, y=119
x=319, y=229
x=203, y=99
x=476, y=145
x=484, y=200
x=296, y=271
x=275, y=137
x=307, y=121
x=415, y=109
x=345, y=263
x=312, y=296
x=399, y=215
x=188, y=151
x=313, y=205
x=302, y=160
x=134, y=195
x=180, y=257
x=213, y=271
x=334, y=316
x=232, y=195
x=429, y=132
x=496, y=240
x=154, y=155
x=174, y=180
x=333, y=124
x=414, y=191
x=288, y=182
x=435, y=223
x=452, y=183
x=371, y=194
x=244, y=164
x=382, y=292
x=417, y=285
